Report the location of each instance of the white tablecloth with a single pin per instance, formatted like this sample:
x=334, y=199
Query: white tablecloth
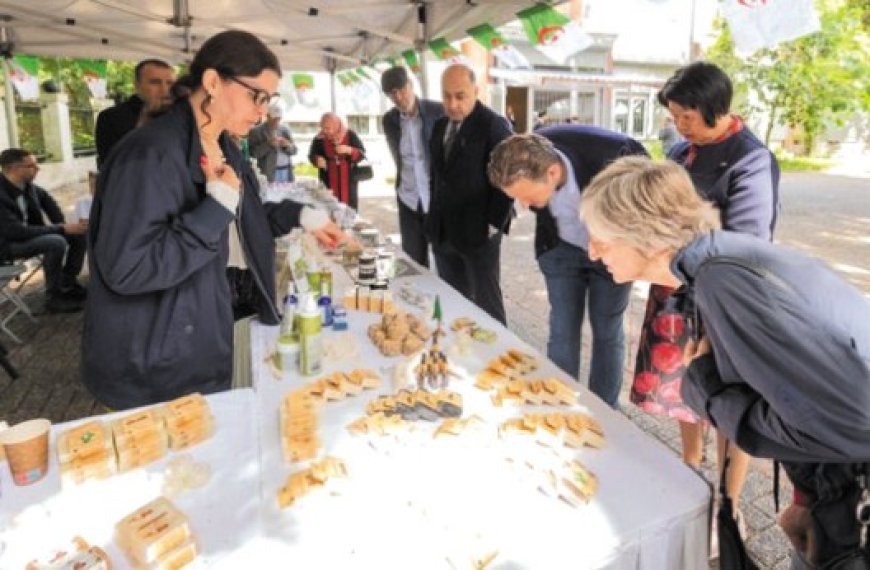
x=417, y=501
x=224, y=515
x=412, y=502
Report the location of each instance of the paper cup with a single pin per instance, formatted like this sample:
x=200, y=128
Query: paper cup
x=3, y=427
x=26, y=446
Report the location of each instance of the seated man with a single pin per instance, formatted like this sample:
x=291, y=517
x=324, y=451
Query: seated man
x=31, y=223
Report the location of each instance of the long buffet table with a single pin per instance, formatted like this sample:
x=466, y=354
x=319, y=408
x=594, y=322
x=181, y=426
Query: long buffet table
x=410, y=501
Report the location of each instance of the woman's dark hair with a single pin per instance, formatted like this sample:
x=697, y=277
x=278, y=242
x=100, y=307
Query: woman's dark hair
x=702, y=86
x=233, y=53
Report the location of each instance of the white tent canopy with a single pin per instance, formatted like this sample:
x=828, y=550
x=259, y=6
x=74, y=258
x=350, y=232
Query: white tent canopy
x=305, y=34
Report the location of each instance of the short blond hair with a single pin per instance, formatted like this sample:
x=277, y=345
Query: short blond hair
x=649, y=205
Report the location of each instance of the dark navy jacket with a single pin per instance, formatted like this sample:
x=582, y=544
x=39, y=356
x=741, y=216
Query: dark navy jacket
x=430, y=111
x=465, y=204
x=158, y=320
x=741, y=177
x=590, y=150
x=789, y=375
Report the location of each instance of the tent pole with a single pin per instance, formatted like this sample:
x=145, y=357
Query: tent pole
x=331, y=64
x=9, y=104
x=332, y=89
x=420, y=47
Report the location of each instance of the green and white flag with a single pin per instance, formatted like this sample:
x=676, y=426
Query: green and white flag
x=412, y=61
x=346, y=79
x=303, y=84
x=444, y=51
x=94, y=74
x=553, y=33
x=491, y=40
x=23, y=72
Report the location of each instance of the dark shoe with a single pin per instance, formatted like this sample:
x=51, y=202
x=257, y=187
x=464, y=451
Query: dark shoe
x=74, y=290
x=62, y=304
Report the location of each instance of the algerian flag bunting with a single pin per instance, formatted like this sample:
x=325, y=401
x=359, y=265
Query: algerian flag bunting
x=757, y=24
x=553, y=33
x=23, y=71
x=303, y=83
x=413, y=63
x=94, y=74
x=491, y=40
x=444, y=51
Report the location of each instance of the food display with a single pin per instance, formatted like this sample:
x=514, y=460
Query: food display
x=319, y=475
x=570, y=429
x=399, y=333
x=157, y=535
x=140, y=439
x=535, y=391
x=299, y=440
x=418, y=405
x=86, y=452
x=340, y=385
x=458, y=426
x=506, y=367
x=572, y=483
x=369, y=299
x=79, y=555
x=188, y=421
x=476, y=332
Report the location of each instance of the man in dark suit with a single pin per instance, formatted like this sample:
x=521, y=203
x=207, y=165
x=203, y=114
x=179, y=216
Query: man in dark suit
x=468, y=214
x=32, y=223
x=548, y=171
x=154, y=78
x=408, y=128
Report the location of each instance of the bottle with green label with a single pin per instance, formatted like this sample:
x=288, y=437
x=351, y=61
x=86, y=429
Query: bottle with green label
x=310, y=337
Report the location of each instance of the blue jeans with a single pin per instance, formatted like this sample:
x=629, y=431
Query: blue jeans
x=62, y=257
x=283, y=175
x=570, y=274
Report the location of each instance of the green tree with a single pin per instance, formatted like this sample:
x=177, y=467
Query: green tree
x=808, y=81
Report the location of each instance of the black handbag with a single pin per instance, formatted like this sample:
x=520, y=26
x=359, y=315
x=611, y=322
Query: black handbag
x=362, y=170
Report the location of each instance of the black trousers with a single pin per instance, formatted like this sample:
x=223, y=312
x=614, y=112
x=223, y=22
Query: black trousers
x=476, y=274
x=414, y=240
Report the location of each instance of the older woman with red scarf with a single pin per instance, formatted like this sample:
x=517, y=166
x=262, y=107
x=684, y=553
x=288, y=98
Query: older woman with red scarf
x=335, y=151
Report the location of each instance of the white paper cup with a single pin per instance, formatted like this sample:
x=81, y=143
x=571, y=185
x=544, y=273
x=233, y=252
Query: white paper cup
x=3, y=427
x=26, y=446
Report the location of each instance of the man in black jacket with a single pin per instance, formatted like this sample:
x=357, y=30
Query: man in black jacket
x=468, y=214
x=548, y=171
x=154, y=78
x=408, y=128
x=31, y=223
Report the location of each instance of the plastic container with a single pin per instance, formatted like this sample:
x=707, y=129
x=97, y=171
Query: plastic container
x=310, y=338
x=289, y=349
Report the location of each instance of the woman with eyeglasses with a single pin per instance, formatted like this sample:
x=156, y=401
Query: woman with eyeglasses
x=176, y=207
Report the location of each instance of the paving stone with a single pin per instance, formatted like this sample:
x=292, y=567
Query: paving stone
x=768, y=546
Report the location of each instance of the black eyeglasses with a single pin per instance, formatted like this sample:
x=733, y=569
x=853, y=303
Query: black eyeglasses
x=259, y=96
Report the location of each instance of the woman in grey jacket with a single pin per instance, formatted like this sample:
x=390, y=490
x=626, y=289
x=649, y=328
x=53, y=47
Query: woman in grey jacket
x=782, y=364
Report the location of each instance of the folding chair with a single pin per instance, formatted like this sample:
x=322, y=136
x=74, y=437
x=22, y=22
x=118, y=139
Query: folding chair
x=11, y=295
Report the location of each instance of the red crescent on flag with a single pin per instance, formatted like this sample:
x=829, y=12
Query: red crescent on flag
x=549, y=34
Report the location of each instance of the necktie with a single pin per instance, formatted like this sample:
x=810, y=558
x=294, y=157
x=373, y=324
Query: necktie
x=451, y=137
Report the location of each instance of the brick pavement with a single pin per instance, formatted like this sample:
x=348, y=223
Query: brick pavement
x=49, y=385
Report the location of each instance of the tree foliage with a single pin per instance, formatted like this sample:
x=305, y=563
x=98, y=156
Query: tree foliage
x=808, y=81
